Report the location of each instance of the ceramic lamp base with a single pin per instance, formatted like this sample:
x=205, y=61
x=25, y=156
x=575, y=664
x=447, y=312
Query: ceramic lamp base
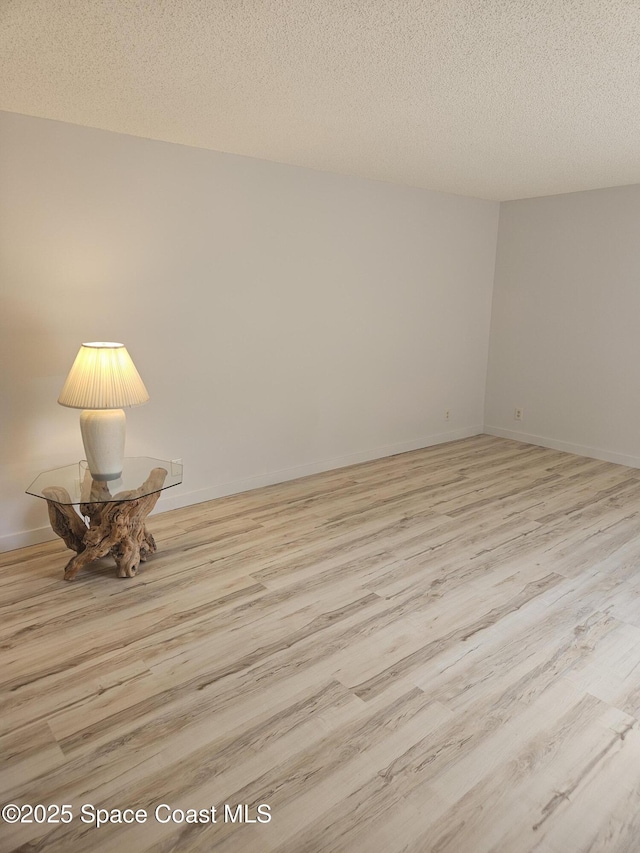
x=103, y=432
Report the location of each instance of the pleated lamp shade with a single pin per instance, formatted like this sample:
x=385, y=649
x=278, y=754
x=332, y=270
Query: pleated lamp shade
x=103, y=377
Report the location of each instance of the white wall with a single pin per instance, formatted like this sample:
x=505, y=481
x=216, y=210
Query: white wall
x=565, y=330
x=284, y=320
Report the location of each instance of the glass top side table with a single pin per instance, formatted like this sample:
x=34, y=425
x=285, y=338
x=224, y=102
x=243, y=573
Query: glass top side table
x=113, y=512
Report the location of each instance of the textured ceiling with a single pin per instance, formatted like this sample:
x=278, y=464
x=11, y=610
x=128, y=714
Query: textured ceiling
x=493, y=98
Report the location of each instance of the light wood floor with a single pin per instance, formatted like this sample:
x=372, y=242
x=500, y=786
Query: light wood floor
x=439, y=651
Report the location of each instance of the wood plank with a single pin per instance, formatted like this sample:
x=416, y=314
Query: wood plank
x=436, y=651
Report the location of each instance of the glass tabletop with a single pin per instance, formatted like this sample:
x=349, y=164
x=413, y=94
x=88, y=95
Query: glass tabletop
x=73, y=484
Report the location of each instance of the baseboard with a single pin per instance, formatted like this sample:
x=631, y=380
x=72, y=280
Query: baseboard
x=283, y=475
x=169, y=501
x=566, y=446
x=12, y=541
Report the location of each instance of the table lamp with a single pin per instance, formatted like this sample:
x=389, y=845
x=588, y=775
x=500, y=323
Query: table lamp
x=103, y=381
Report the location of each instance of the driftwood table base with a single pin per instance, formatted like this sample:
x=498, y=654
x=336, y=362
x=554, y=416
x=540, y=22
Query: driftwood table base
x=116, y=525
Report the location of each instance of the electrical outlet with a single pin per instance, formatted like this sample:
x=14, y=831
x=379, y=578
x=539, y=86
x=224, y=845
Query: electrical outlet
x=447, y=414
x=518, y=413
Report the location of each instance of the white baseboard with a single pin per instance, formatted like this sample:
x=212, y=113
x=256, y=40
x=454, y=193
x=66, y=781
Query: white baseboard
x=283, y=475
x=566, y=446
x=11, y=541
x=168, y=501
